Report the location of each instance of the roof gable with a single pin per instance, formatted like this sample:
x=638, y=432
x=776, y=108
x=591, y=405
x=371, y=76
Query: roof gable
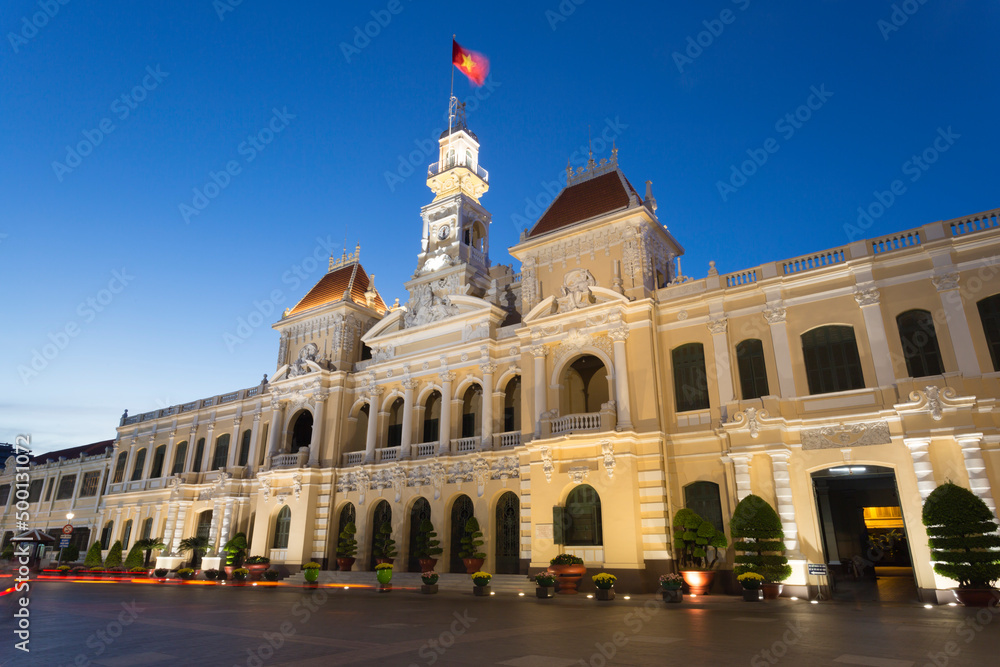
x=351, y=278
x=585, y=200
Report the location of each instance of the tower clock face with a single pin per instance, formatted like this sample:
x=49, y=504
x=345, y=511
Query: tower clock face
x=443, y=232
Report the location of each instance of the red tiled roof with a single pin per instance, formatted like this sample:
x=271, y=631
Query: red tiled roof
x=582, y=201
x=331, y=288
x=74, y=452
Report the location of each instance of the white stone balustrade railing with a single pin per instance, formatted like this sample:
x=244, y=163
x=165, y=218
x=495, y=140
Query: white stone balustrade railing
x=585, y=421
x=383, y=454
x=813, y=261
x=512, y=439
x=462, y=445
x=424, y=450
x=892, y=242
x=295, y=460
x=354, y=458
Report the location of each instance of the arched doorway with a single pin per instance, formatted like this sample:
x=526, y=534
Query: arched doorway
x=382, y=514
x=347, y=515
x=586, y=387
x=420, y=512
x=508, y=534
x=864, y=537
x=461, y=512
x=512, y=405
x=301, y=432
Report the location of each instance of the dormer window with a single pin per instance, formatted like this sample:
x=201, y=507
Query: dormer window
x=468, y=158
x=451, y=158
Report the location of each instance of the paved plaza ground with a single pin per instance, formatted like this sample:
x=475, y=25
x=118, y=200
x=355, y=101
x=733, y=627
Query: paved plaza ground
x=119, y=625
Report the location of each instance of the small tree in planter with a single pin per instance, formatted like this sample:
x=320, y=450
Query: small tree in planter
x=384, y=548
x=470, y=544
x=694, y=539
x=93, y=558
x=426, y=548
x=114, y=558
x=236, y=551
x=148, y=545
x=347, y=547
x=759, y=543
x=197, y=545
x=964, y=543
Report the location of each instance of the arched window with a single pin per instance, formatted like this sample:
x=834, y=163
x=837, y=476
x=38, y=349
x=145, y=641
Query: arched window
x=244, y=449
x=126, y=534
x=394, y=433
x=690, y=380
x=461, y=512
x=703, y=498
x=512, y=405
x=282, y=526
x=106, y=534
x=472, y=411
x=831, y=358
x=989, y=315
x=158, y=455
x=120, y=468
x=147, y=529
x=919, y=341
x=753, y=371
x=221, y=452
x=451, y=157
x=585, y=383
x=380, y=516
x=302, y=432
x=579, y=522
x=347, y=515
x=432, y=417
x=420, y=512
x=508, y=534
x=204, y=528
x=360, y=433
x=468, y=158
x=199, y=452
x=140, y=461
x=179, y=457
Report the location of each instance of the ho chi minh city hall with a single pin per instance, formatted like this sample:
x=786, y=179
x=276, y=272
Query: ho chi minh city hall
x=575, y=406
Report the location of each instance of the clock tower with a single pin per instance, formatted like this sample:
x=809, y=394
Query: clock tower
x=454, y=249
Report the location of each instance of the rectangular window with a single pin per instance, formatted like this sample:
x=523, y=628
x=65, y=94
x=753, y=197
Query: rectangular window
x=508, y=420
x=468, y=425
x=88, y=487
x=48, y=489
x=35, y=491
x=4, y=494
x=394, y=436
x=66, y=485
x=430, y=430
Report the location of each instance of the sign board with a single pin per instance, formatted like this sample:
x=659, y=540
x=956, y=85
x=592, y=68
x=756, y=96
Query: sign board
x=68, y=529
x=817, y=570
x=64, y=541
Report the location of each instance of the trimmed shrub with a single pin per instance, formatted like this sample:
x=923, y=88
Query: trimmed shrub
x=758, y=540
x=694, y=537
x=135, y=558
x=385, y=546
x=114, y=558
x=93, y=557
x=963, y=539
x=426, y=543
x=472, y=540
x=347, y=546
x=70, y=554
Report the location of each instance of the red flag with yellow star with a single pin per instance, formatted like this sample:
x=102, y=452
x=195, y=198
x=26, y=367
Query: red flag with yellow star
x=473, y=65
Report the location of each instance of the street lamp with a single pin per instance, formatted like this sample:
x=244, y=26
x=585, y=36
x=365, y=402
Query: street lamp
x=69, y=517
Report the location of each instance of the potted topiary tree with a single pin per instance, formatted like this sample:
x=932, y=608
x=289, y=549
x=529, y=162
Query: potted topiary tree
x=236, y=551
x=964, y=543
x=694, y=539
x=470, y=544
x=384, y=548
x=426, y=547
x=758, y=541
x=347, y=547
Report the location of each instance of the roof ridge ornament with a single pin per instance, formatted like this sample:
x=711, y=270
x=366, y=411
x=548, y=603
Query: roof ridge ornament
x=592, y=168
x=345, y=258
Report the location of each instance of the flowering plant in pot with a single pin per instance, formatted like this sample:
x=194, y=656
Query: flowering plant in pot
x=482, y=583
x=694, y=540
x=211, y=574
x=758, y=542
x=256, y=565
x=471, y=543
x=426, y=547
x=240, y=576
x=383, y=572
x=568, y=570
x=311, y=571
x=271, y=575
x=671, y=582
x=751, y=583
x=546, y=585
x=185, y=573
x=347, y=547
x=64, y=569
x=964, y=543
x=430, y=580
x=161, y=573
x=605, y=584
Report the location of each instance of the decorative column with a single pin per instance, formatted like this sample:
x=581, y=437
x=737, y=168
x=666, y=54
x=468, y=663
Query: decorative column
x=372, y=435
x=234, y=443
x=147, y=464
x=922, y=466
x=619, y=335
x=316, y=441
x=156, y=521
x=189, y=454
x=979, y=483
x=868, y=298
x=252, y=455
x=206, y=456
x=539, y=352
x=444, y=441
x=168, y=454
x=723, y=368
x=741, y=474
x=407, y=439
x=488, y=369
x=129, y=460
x=786, y=508
x=958, y=324
x=277, y=416
x=213, y=531
x=175, y=544
x=227, y=520
x=774, y=313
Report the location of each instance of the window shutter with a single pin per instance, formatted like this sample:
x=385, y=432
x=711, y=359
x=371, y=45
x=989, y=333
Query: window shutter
x=558, y=523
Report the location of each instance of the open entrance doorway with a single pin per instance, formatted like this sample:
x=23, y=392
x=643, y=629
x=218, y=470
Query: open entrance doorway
x=864, y=537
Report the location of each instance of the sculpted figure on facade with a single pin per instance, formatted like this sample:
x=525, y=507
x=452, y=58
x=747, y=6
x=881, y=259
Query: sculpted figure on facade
x=309, y=352
x=576, y=290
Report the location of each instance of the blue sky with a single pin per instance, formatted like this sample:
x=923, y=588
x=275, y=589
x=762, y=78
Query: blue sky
x=120, y=300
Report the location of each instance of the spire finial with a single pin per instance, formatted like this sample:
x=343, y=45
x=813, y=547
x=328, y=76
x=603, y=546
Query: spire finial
x=590, y=150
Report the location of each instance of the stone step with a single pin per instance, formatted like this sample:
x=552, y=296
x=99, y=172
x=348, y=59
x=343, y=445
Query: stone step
x=506, y=583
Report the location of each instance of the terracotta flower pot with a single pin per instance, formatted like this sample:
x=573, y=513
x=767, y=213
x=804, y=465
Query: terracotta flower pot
x=699, y=581
x=427, y=564
x=567, y=577
x=256, y=570
x=977, y=597
x=379, y=561
x=345, y=564
x=473, y=565
x=771, y=591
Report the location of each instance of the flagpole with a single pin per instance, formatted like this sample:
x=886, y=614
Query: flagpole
x=451, y=94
